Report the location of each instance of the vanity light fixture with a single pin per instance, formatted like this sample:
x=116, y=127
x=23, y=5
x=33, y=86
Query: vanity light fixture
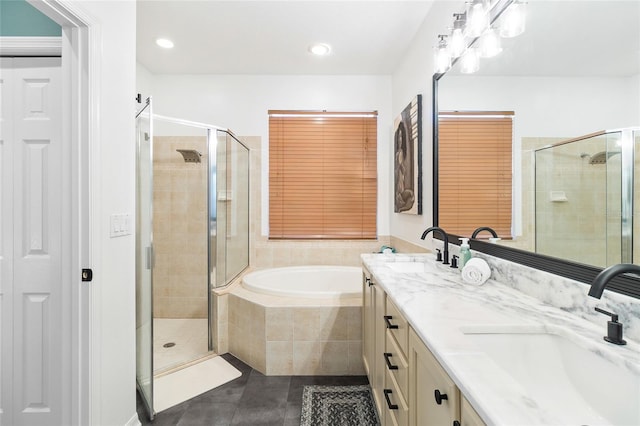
x=164, y=43
x=320, y=49
x=470, y=61
x=477, y=17
x=457, y=43
x=473, y=37
x=514, y=19
x=442, y=56
x=490, y=44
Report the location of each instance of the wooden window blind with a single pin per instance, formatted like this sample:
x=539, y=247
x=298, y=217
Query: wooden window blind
x=322, y=175
x=475, y=176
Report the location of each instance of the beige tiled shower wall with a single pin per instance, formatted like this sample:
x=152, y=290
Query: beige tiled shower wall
x=179, y=229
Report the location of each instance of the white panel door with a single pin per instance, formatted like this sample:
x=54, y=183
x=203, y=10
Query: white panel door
x=38, y=350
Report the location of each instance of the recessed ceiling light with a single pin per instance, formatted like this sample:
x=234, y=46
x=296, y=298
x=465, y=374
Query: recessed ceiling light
x=320, y=49
x=164, y=42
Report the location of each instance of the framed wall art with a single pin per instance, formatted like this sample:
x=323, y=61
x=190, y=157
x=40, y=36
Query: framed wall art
x=407, y=137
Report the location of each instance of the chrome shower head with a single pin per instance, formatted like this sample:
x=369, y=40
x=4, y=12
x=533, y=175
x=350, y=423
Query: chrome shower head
x=190, y=155
x=602, y=157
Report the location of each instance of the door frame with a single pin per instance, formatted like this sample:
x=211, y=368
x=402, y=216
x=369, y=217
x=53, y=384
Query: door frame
x=80, y=41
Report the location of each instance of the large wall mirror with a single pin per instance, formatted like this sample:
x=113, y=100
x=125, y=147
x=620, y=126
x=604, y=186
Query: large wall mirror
x=571, y=85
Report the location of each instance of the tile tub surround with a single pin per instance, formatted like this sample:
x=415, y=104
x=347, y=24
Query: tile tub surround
x=295, y=336
x=437, y=303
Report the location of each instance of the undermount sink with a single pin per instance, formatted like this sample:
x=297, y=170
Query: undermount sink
x=569, y=382
x=406, y=267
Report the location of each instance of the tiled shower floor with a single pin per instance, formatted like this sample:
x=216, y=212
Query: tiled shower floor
x=189, y=336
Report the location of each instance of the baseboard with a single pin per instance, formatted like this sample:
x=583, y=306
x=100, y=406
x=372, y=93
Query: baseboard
x=133, y=421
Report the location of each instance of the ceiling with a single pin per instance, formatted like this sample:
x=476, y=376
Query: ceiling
x=563, y=37
x=272, y=37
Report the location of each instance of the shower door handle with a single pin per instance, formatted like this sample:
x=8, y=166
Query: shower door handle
x=149, y=261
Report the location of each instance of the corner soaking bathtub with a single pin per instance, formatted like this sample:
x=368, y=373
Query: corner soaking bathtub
x=298, y=320
x=306, y=281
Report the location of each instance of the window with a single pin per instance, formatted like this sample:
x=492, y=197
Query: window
x=322, y=175
x=474, y=177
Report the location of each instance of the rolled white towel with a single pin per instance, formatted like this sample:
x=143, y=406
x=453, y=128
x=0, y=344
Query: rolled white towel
x=476, y=271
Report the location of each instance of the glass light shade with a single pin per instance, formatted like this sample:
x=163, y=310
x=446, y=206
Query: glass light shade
x=470, y=61
x=477, y=18
x=457, y=43
x=513, y=20
x=490, y=44
x=442, y=59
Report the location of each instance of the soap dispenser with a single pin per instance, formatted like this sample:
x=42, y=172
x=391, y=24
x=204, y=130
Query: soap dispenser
x=465, y=252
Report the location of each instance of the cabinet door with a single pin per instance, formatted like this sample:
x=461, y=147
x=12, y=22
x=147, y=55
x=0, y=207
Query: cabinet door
x=468, y=416
x=368, y=321
x=434, y=399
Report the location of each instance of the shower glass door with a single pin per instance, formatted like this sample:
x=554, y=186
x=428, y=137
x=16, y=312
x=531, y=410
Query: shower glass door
x=232, y=208
x=144, y=258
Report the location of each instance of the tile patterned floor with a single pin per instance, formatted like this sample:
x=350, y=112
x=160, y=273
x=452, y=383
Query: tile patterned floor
x=250, y=400
x=189, y=336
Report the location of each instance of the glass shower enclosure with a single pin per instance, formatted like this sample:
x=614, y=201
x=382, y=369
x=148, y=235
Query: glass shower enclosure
x=585, y=191
x=192, y=235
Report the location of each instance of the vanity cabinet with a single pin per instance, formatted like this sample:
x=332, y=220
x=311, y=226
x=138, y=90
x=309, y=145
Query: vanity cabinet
x=409, y=385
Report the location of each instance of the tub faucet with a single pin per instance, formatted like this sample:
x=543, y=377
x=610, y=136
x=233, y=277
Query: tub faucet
x=484, y=228
x=603, y=278
x=445, y=259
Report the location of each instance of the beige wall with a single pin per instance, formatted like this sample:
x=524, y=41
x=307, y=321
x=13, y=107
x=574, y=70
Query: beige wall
x=179, y=229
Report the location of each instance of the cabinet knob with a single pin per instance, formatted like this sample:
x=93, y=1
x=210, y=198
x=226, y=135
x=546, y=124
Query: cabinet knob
x=440, y=396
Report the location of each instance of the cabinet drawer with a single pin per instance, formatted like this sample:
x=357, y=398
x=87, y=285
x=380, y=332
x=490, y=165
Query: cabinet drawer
x=394, y=406
x=398, y=326
x=397, y=365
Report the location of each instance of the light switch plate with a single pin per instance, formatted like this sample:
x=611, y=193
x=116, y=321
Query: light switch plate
x=119, y=225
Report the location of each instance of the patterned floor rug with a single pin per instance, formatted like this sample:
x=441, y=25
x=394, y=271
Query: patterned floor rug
x=338, y=406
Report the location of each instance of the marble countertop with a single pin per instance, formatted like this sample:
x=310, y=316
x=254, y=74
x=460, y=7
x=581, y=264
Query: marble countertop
x=440, y=306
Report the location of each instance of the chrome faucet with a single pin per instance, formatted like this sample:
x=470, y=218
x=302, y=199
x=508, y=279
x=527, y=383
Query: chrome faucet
x=484, y=228
x=603, y=278
x=445, y=260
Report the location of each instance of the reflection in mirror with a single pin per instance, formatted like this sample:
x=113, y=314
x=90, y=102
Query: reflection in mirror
x=595, y=174
x=575, y=71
